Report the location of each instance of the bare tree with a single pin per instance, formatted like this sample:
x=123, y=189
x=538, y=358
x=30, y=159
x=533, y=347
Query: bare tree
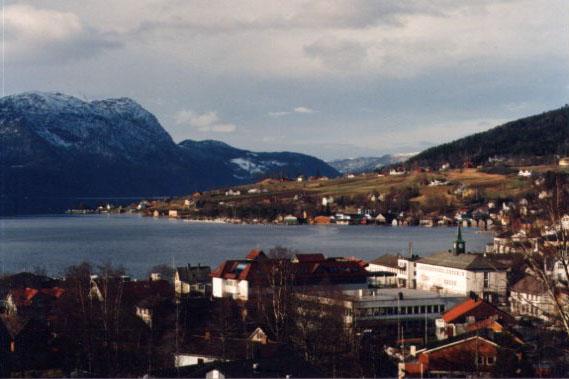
x=274, y=299
x=557, y=250
x=320, y=332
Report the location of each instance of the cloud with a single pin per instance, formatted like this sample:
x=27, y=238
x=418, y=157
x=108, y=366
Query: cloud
x=204, y=122
x=299, y=109
x=39, y=36
x=337, y=54
x=303, y=110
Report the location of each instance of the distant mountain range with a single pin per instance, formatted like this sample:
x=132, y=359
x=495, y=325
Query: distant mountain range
x=531, y=140
x=58, y=149
x=367, y=164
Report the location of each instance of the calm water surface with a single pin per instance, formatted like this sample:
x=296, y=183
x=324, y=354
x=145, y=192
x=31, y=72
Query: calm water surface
x=138, y=243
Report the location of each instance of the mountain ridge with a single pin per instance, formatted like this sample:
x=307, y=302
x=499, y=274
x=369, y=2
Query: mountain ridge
x=367, y=164
x=58, y=146
x=536, y=139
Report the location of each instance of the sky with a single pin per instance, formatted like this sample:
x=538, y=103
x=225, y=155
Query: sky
x=334, y=79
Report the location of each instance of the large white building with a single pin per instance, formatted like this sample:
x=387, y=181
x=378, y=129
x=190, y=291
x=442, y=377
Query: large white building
x=383, y=304
x=458, y=272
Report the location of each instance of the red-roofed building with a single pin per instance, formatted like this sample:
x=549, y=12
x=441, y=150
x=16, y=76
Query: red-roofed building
x=23, y=297
x=473, y=314
x=236, y=278
x=468, y=355
x=255, y=254
x=307, y=258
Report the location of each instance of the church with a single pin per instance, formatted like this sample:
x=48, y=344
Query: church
x=457, y=271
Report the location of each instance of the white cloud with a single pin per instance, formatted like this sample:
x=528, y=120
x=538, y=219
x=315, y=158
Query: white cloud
x=279, y=114
x=204, y=122
x=307, y=38
x=299, y=109
x=303, y=110
x=35, y=35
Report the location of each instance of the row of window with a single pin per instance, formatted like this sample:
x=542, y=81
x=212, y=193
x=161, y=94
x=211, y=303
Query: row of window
x=444, y=270
x=488, y=361
x=410, y=310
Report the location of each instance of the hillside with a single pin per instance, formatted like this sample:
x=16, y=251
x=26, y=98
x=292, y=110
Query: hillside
x=58, y=150
x=409, y=193
x=531, y=140
x=367, y=164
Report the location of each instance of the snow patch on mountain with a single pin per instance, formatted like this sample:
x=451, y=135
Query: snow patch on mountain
x=256, y=166
x=248, y=165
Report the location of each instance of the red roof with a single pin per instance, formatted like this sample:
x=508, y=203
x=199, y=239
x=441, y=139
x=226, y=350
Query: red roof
x=56, y=292
x=309, y=269
x=23, y=296
x=254, y=254
x=460, y=309
x=480, y=309
x=308, y=258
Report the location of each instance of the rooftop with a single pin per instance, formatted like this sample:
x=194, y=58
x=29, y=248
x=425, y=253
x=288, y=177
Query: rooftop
x=467, y=261
x=391, y=294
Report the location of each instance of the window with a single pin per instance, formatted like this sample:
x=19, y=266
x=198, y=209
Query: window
x=486, y=279
x=423, y=309
x=491, y=361
x=480, y=360
x=429, y=309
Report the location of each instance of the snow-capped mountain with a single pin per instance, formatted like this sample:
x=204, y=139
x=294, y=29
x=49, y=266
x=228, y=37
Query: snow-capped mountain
x=57, y=146
x=367, y=164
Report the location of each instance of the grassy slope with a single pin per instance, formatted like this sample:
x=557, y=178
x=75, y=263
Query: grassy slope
x=493, y=185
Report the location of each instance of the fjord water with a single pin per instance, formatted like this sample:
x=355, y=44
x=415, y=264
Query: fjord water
x=138, y=243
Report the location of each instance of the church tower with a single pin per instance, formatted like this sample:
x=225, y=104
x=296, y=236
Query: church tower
x=459, y=246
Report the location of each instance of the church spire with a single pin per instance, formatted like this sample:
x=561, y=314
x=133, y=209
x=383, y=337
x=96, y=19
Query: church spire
x=459, y=245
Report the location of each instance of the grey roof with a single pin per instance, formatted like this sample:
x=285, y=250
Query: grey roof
x=387, y=260
x=531, y=285
x=194, y=274
x=467, y=261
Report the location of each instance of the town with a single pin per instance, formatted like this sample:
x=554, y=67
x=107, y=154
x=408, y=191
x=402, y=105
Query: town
x=281, y=313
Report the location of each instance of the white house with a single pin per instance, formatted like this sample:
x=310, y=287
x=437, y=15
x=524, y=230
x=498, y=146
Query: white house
x=529, y=297
x=232, y=192
x=327, y=201
x=565, y=222
x=524, y=173
x=396, y=172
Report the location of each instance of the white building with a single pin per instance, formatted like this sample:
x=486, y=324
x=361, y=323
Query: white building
x=524, y=173
x=396, y=172
x=232, y=192
x=385, y=304
x=459, y=272
x=402, y=267
x=529, y=297
x=327, y=201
